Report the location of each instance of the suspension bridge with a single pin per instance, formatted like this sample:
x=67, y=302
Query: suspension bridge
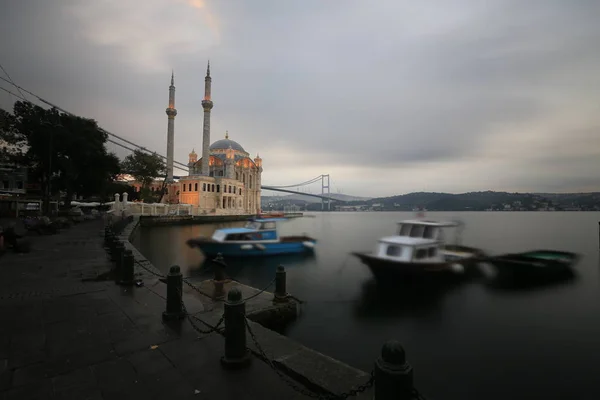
x=126, y=146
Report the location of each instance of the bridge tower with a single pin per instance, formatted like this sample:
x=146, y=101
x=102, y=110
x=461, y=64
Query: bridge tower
x=171, y=113
x=325, y=191
x=207, y=105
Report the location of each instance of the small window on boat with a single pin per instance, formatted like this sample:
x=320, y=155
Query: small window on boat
x=405, y=230
x=393, y=251
x=421, y=253
x=268, y=225
x=429, y=232
x=416, y=231
x=432, y=252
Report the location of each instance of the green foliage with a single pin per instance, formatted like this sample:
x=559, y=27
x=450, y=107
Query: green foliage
x=64, y=151
x=144, y=167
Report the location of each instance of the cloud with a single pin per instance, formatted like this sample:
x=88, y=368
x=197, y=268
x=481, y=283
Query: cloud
x=388, y=97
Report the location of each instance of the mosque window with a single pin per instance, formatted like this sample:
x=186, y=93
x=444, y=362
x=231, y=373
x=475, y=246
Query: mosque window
x=212, y=188
x=190, y=187
x=240, y=191
x=204, y=187
x=183, y=187
x=218, y=187
x=234, y=190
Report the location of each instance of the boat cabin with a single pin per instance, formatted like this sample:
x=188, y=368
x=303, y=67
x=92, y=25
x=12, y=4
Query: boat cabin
x=259, y=230
x=409, y=249
x=423, y=229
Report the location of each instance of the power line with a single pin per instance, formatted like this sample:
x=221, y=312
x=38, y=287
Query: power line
x=101, y=129
x=10, y=79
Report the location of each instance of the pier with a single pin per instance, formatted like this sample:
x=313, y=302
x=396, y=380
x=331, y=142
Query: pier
x=89, y=319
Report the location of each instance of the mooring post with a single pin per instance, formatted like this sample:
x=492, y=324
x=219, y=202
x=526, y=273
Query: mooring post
x=117, y=253
x=280, y=294
x=236, y=352
x=219, y=279
x=174, y=295
x=393, y=375
x=106, y=235
x=127, y=268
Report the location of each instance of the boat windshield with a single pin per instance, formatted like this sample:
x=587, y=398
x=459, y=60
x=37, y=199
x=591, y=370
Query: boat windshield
x=253, y=225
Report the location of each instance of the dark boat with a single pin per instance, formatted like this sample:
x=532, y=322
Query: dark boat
x=418, y=252
x=533, y=267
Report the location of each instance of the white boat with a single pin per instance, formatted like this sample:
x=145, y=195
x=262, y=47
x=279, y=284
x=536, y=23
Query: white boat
x=419, y=250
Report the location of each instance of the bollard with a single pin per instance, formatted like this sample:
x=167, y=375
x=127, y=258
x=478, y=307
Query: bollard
x=280, y=294
x=111, y=247
x=236, y=352
x=118, y=250
x=126, y=274
x=174, y=295
x=107, y=233
x=393, y=375
x=219, y=279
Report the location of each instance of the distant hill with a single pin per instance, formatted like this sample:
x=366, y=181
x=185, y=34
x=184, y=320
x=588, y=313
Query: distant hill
x=434, y=201
x=489, y=200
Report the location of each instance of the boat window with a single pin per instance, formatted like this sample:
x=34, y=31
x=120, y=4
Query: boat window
x=416, y=231
x=253, y=225
x=404, y=229
x=432, y=252
x=268, y=225
x=421, y=253
x=394, y=251
x=429, y=232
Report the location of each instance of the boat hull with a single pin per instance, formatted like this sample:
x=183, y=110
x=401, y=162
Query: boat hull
x=385, y=270
x=211, y=248
x=532, y=268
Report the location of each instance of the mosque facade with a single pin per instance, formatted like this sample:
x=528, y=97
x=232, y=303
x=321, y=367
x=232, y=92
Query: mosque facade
x=224, y=180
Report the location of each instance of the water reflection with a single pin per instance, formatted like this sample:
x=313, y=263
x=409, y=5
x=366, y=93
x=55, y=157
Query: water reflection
x=507, y=285
x=253, y=270
x=401, y=298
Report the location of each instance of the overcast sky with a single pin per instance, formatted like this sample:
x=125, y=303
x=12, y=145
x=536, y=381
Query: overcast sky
x=386, y=96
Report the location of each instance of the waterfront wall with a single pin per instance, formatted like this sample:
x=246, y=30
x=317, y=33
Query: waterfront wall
x=316, y=371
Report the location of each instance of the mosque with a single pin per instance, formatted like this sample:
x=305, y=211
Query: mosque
x=225, y=180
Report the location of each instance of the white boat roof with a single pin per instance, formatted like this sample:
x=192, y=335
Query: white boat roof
x=407, y=241
x=429, y=223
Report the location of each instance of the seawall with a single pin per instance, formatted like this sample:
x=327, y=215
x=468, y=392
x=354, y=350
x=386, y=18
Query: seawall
x=163, y=220
x=315, y=370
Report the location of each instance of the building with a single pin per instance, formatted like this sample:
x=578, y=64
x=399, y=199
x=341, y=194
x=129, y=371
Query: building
x=224, y=180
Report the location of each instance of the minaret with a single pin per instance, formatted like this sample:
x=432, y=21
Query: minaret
x=207, y=105
x=171, y=113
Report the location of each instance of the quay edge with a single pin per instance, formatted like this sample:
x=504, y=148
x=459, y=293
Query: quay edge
x=315, y=370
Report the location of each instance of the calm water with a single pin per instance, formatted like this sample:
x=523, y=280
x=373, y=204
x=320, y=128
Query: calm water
x=464, y=342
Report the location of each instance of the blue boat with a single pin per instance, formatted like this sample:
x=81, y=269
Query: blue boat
x=258, y=238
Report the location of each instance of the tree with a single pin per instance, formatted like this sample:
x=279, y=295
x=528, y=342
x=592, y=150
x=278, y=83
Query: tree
x=144, y=167
x=10, y=150
x=64, y=152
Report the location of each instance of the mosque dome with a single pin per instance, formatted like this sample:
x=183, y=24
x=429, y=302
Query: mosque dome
x=224, y=144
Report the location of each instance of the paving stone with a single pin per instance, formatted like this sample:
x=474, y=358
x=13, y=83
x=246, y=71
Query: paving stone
x=150, y=362
x=114, y=374
x=77, y=379
x=29, y=374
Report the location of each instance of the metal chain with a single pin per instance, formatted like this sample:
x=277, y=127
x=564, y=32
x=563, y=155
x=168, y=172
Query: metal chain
x=261, y=291
x=194, y=326
x=287, y=380
x=149, y=270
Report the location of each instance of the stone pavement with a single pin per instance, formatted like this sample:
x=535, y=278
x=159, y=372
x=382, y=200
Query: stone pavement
x=64, y=337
